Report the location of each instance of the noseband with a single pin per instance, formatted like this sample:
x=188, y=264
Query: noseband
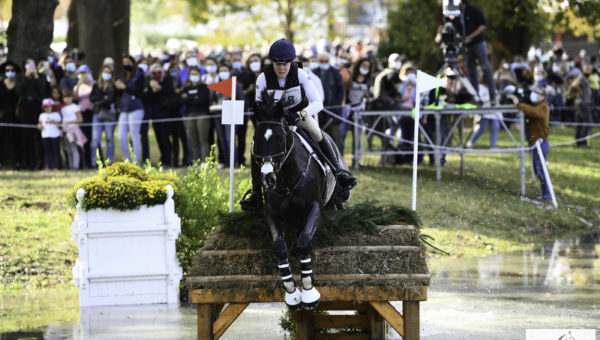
x=271, y=158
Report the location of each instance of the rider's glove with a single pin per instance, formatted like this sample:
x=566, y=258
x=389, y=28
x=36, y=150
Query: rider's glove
x=292, y=117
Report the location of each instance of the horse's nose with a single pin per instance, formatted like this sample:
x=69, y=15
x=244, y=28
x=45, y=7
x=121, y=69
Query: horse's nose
x=268, y=181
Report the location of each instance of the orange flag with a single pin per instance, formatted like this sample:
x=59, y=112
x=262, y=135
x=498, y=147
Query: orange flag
x=223, y=87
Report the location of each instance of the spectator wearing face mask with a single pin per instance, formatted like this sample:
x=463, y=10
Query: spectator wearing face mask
x=161, y=100
x=538, y=113
x=223, y=130
x=309, y=65
x=69, y=80
x=143, y=65
x=130, y=86
x=504, y=76
x=357, y=94
x=196, y=98
x=31, y=90
x=9, y=137
x=384, y=82
x=180, y=140
x=81, y=93
x=191, y=60
x=55, y=67
x=103, y=97
x=407, y=96
x=334, y=90
x=254, y=66
x=583, y=102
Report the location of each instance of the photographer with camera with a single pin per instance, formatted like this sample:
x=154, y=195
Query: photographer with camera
x=473, y=26
x=538, y=113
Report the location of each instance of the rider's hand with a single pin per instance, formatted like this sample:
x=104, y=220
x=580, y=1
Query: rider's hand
x=291, y=117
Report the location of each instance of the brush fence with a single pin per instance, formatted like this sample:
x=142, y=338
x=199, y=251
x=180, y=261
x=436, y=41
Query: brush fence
x=127, y=257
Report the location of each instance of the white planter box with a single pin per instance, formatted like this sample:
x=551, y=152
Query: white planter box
x=127, y=257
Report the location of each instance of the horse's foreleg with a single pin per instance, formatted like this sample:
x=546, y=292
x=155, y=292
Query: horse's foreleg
x=292, y=296
x=310, y=295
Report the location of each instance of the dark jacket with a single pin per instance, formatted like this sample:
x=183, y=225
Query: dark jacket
x=334, y=89
x=31, y=92
x=131, y=97
x=102, y=99
x=197, y=100
x=162, y=103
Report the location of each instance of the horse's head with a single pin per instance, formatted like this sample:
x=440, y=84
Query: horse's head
x=271, y=145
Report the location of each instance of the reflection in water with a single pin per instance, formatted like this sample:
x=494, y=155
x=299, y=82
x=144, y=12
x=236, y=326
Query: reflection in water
x=500, y=296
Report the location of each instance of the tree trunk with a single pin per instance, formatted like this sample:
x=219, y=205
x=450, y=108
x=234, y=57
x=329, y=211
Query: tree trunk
x=30, y=29
x=100, y=29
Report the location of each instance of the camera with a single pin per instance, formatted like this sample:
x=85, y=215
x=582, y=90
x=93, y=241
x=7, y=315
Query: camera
x=451, y=39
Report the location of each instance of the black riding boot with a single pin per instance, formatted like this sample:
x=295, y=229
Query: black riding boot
x=344, y=177
x=254, y=201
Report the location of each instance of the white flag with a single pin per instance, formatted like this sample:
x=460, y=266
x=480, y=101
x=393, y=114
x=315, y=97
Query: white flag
x=426, y=82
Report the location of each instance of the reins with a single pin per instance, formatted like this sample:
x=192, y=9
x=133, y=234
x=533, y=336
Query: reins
x=286, y=152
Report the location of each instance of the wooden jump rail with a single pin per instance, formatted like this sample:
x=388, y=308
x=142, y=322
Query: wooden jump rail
x=214, y=320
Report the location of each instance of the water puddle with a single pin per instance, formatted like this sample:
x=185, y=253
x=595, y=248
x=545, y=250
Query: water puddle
x=493, y=297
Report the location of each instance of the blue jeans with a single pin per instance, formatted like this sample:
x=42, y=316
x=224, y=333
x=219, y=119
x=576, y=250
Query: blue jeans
x=537, y=167
x=482, y=127
x=51, y=152
x=478, y=52
x=109, y=129
x=130, y=122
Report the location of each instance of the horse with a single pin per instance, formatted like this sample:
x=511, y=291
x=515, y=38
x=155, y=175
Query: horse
x=296, y=188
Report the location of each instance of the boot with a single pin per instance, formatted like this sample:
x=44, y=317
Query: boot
x=344, y=178
x=254, y=201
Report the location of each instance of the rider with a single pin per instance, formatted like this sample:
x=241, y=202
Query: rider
x=284, y=77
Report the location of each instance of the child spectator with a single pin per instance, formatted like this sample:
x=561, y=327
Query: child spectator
x=49, y=126
x=74, y=138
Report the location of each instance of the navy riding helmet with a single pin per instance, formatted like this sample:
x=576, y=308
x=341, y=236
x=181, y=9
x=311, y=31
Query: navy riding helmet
x=282, y=50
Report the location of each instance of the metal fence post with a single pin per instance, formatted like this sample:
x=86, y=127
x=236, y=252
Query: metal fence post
x=357, y=138
x=522, y=151
x=438, y=142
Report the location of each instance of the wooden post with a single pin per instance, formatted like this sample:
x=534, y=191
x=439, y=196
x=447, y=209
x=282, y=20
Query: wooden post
x=410, y=309
x=376, y=325
x=206, y=317
x=305, y=324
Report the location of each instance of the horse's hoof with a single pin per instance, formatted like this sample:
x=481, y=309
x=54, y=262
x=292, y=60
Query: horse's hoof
x=293, y=300
x=310, y=298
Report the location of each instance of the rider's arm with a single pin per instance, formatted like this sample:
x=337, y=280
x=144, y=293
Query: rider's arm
x=261, y=85
x=316, y=104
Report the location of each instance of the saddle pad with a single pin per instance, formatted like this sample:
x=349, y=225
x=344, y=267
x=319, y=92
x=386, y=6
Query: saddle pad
x=325, y=168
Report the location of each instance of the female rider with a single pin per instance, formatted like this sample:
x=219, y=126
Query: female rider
x=285, y=78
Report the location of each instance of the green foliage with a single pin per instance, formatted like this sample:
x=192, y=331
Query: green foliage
x=124, y=186
x=204, y=199
x=412, y=29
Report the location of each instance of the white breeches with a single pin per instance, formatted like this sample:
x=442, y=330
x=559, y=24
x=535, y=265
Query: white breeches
x=312, y=127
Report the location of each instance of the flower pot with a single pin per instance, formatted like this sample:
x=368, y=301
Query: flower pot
x=127, y=257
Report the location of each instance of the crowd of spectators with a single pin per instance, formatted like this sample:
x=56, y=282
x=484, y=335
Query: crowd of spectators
x=60, y=92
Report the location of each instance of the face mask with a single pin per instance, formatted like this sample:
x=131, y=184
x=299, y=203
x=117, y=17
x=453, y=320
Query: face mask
x=128, y=68
x=106, y=76
x=195, y=79
x=539, y=78
x=50, y=59
x=314, y=65
x=324, y=67
x=10, y=74
x=144, y=67
x=506, y=66
x=571, y=64
x=192, y=61
x=397, y=65
x=237, y=65
x=255, y=66
x=411, y=77
x=174, y=74
x=211, y=68
x=363, y=71
x=533, y=97
x=70, y=67
x=157, y=76
x=556, y=69
x=224, y=75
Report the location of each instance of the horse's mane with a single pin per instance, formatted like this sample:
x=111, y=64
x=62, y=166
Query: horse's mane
x=270, y=109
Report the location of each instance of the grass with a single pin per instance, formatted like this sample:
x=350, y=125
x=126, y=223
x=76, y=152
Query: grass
x=476, y=213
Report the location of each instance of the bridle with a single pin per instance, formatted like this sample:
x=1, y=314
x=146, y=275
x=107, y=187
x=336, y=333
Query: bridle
x=272, y=158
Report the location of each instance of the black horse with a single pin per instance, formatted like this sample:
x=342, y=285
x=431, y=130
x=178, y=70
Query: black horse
x=296, y=190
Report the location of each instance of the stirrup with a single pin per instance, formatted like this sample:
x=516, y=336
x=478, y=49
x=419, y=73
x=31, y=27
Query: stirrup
x=254, y=202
